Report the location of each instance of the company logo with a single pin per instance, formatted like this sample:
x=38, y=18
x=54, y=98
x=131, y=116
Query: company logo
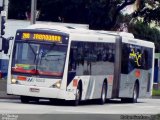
x=30, y=79
x=136, y=55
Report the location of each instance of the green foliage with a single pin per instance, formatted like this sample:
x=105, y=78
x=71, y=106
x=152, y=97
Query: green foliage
x=144, y=31
x=149, y=10
x=17, y=8
x=156, y=92
x=99, y=14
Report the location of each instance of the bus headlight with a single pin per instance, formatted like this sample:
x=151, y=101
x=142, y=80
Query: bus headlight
x=57, y=84
x=13, y=81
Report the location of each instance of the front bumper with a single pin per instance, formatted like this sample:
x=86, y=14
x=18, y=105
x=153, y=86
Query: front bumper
x=41, y=92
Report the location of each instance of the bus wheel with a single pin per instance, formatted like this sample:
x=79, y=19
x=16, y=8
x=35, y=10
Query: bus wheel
x=103, y=94
x=78, y=96
x=24, y=99
x=135, y=94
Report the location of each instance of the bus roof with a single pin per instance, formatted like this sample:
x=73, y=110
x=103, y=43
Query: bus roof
x=126, y=37
x=71, y=29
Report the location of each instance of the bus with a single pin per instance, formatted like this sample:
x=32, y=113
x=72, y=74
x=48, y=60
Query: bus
x=4, y=59
x=76, y=64
x=4, y=56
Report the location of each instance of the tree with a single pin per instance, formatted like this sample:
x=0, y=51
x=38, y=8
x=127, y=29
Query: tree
x=18, y=8
x=99, y=14
x=149, y=10
x=146, y=32
x=104, y=14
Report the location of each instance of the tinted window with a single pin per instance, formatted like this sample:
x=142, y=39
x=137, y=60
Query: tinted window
x=88, y=58
x=135, y=57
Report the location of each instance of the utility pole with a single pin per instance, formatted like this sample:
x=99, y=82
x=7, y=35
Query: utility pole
x=1, y=8
x=6, y=2
x=33, y=11
x=1, y=3
x=3, y=18
x=2, y=22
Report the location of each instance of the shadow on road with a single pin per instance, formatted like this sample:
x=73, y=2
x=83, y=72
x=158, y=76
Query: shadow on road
x=82, y=103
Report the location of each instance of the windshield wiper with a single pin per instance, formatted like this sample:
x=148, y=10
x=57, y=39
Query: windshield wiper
x=50, y=49
x=35, y=54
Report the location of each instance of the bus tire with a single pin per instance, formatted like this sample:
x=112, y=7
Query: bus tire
x=135, y=94
x=24, y=99
x=78, y=95
x=102, y=100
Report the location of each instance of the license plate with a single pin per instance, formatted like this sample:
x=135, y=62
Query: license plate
x=40, y=80
x=34, y=90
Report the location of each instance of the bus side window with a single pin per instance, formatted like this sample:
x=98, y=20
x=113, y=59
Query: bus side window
x=125, y=59
x=72, y=60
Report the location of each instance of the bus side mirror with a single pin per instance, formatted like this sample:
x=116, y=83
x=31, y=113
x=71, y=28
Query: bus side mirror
x=5, y=44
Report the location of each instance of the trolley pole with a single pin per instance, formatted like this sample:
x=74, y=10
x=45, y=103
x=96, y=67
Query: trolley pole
x=33, y=11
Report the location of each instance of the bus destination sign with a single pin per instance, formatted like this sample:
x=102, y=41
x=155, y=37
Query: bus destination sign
x=41, y=37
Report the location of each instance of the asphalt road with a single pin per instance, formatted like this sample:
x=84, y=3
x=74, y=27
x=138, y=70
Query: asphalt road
x=88, y=110
x=144, y=106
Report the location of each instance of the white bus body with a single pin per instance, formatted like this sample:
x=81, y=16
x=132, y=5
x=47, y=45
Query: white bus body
x=4, y=59
x=79, y=64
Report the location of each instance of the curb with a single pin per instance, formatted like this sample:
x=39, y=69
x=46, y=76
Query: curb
x=155, y=97
x=9, y=97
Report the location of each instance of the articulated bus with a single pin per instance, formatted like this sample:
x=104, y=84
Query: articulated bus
x=55, y=62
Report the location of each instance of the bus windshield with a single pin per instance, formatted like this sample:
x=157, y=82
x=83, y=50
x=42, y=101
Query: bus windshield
x=39, y=59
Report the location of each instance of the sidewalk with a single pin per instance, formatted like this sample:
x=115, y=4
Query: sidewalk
x=155, y=97
x=3, y=91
